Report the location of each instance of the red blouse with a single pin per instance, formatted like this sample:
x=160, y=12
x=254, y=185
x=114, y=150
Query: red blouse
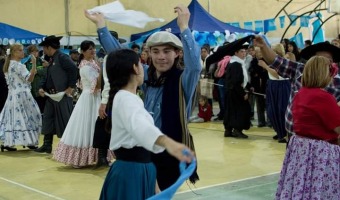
x=315, y=114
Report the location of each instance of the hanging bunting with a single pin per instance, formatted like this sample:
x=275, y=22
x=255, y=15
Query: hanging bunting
x=318, y=34
x=269, y=25
x=282, y=21
x=248, y=25
x=304, y=21
x=298, y=39
x=236, y=24
x=292, y=18
x=259, y=25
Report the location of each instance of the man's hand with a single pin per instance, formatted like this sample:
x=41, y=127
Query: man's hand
x=183, y=17
x=96, y=18
x=33, y=59
x=45, y=63
x=41, y=92
x=259, y=41
x=102, y=113
x=69, y=91
x=245, y=97
x=262, y=64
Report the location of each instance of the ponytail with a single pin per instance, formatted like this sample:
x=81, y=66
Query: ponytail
x=119, y=67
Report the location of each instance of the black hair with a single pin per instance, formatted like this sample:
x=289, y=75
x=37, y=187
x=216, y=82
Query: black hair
x=135, y=46
x=286, y=41
x=84, y=46
x=295, y=50
x=119, y=67
x=308, y=42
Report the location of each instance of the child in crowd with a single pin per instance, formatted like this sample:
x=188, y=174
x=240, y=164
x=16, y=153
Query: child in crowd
x=204, y=111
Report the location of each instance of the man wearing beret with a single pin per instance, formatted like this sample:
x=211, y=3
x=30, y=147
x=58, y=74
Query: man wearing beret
x=61, y=77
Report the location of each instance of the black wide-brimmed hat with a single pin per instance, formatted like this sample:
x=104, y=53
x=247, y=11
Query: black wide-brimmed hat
x=310, y=51
x=115, y=34
x=51, y=40
x=73, y=51
x=229, y=49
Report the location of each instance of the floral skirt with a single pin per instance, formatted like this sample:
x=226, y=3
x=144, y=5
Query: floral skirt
x=311, y=170
x=20, y=120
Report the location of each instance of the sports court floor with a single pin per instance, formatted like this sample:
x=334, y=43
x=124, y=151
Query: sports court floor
x=229, y=168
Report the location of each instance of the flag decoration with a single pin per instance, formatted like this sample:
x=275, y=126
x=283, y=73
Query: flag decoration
x=293, y=19
x=248, y=25
x=269, y=25
x=259, y=26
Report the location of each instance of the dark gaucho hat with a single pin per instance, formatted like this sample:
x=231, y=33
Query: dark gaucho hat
x=310, y=51
x=52, y=41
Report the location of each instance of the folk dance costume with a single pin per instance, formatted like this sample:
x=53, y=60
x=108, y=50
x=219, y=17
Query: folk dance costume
x=20, y=119
x=133, y=171
x=162, y=100
x=277, y=97
x=101, y=137
x=237, y=109
x=75, y=146
x=311, y=168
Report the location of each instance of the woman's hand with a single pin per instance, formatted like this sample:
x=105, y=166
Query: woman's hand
x=175, y=148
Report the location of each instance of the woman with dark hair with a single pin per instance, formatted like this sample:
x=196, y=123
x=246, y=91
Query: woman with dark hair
x=292, y=47
x=133, y=133
x=75, y=146
x=285, y=43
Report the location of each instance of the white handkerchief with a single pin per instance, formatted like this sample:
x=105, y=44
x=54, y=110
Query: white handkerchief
x=116, y=12
x=56, y=97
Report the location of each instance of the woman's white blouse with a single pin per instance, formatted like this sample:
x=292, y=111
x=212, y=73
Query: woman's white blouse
x=132, y=125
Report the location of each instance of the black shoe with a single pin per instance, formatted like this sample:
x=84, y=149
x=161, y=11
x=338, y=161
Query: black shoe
x=44, y=149
x=261, y=125
x=282, y=140
x=102, y=162
x=275, y=137
x=31, y=147
x=239, y=134
x=7, y=148
x=228, y=134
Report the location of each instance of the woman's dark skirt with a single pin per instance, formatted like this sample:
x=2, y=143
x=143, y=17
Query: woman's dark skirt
x=130, y=179
x=277, y=97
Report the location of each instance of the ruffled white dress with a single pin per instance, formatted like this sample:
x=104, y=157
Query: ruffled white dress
x=75, y=146
x=20, y=119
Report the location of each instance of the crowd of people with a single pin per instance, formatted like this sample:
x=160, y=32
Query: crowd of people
x=127, y=106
